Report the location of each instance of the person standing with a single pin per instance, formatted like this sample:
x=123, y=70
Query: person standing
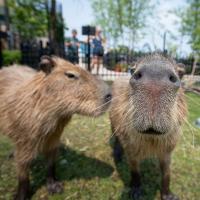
x=73, y=45
x=97, y=50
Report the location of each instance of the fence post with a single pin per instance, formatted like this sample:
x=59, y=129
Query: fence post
x=88, y=54
x=88, y=30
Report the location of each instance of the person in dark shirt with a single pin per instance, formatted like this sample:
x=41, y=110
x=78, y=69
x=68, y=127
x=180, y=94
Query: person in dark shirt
x=73, y=44
x=97, y=50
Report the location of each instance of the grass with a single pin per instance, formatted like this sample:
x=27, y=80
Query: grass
x=86, y=167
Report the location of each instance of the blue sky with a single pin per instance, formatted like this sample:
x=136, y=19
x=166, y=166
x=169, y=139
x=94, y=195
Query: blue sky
x=79, y=12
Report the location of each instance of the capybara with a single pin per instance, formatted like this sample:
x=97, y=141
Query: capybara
x=146, y=115
x=35, y=106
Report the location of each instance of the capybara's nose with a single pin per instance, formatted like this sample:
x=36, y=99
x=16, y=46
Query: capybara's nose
x=148, y=76
x=108, y=97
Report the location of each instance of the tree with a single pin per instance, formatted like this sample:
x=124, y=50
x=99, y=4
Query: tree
x=136, y=17
x=38, y=18
x=122, y=18
x=28, y=17
x=190, y=19
x=190, y=26
x=56, y=29
x=53, y=22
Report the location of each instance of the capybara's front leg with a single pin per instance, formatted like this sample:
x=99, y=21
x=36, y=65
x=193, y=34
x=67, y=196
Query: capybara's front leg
x=117, y=150
x=53, y=186
x=23, y=190
x=135, y=182
x=165, y=184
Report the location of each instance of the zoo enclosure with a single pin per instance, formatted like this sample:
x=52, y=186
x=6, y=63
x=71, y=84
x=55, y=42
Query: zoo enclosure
x=116, y=62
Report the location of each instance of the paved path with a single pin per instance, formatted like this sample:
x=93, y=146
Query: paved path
x=108, y=75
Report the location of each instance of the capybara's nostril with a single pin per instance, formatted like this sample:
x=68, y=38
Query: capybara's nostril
x=137, y=75
x=108, y=97
x=173, y=78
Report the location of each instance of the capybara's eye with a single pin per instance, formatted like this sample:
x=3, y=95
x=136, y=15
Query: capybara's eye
x=172, y=78
x=70, y=75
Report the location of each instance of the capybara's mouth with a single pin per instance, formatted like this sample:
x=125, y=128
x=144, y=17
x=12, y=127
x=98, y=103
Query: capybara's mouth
x=152, y=131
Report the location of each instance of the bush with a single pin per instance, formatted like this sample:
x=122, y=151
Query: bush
x=11, y=56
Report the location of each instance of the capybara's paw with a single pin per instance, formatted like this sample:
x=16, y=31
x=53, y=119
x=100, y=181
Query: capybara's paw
x=169, y=196
x=54, y=187
x=135, y=193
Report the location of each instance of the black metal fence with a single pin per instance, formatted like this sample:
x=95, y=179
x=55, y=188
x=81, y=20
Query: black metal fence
x=31, y=52
x=116, y=63
x=112, y=64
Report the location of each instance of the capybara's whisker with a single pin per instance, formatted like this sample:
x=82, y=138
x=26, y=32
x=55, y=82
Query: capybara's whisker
x=103, y=105
x=193, y=101
x=107, y=102
x=124, y=125
x=116, y=130
x=193, y=130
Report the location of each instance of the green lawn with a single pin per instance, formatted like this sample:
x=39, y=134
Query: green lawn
x=86, y=167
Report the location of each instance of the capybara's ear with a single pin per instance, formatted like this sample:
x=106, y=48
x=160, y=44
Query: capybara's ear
x=46, y=64
x=180, y=69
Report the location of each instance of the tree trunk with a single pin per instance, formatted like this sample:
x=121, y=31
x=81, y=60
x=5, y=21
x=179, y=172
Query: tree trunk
x=53, y=30
x=6, y=10
x=48, y=19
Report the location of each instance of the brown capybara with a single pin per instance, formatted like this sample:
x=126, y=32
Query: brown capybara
x=146, y=115
x=36, y=106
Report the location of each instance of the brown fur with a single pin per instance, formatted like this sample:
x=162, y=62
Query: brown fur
x=121, y=119
x=131, y=109
x=36, y=106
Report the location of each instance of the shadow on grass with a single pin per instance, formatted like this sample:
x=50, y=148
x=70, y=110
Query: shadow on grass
x=150, y=178
x=70, y=165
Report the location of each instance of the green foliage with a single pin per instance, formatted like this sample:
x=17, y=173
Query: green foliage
x=60, y=27
x=29, y=17
x=11, y=56
x=190, y=18
x=121, y=18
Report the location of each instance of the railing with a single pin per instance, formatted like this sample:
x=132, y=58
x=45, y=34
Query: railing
x=112, y=65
